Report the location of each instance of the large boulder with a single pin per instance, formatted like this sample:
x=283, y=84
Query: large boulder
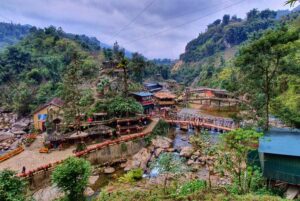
x=49, y=193
x=109, y=170
x=162, y=142
x=139, y=160
x=186, y=151
x=93, y=179
x=89, y=192
x=21, y=124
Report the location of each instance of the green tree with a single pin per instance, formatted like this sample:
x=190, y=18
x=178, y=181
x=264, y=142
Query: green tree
x=72, y=177
x=260, y=62
x=22, y=99
x=168, y=164
x=291, y=2
x=235, y=147
x=203, y=143
x=12, y=188
x=124, y=107
x=71, y=93
x=123, y=64
x=137, y=67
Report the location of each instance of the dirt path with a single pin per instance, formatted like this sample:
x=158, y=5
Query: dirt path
x=31, y=158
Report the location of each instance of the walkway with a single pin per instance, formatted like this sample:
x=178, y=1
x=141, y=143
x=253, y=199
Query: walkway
x=32, y=159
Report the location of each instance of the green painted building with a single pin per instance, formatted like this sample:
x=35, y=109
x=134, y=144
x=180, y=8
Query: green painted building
x=279, y=153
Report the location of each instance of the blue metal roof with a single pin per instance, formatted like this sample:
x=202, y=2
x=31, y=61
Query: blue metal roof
x=281, y=141
x=142, y=93
x=150, y=84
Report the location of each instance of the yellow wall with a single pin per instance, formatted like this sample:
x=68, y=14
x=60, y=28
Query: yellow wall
x=36, y=122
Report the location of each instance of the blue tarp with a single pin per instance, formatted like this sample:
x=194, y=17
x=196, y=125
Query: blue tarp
x=42, y=117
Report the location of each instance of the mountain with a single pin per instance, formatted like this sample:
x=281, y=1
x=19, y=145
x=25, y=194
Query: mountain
x=207, y=54
x=296, y=9
x=31, y=71
x=12, y=33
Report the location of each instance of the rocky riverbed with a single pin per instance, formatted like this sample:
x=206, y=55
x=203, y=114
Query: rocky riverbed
x=12, y=130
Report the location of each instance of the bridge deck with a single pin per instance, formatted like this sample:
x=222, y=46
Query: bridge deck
x=200, y=124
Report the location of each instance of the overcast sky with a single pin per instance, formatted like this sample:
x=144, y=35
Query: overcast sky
x=155, y=28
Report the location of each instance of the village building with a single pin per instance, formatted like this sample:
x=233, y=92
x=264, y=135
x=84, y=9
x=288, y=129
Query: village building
x=94, y=133
x=41, y=114
x=279, y=155
x=153, y=87
x=164, y=99
x=213, y=93
x=145, y=99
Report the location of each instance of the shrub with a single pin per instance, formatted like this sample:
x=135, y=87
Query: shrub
x=191, y=187
x=11, y=187
x=72, y=177
x=132, y=176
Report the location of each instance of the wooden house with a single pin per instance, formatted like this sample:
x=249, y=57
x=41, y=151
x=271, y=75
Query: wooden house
x=41, y=114
x=146, y=100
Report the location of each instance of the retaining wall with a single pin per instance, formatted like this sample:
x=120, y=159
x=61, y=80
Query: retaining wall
x=102, y=153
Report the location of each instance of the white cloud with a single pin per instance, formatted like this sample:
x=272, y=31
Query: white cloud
x=105, y=18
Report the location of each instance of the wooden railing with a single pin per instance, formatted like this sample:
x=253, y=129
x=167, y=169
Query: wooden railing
x=11, y=153
x=201, y=124
x=85, y=152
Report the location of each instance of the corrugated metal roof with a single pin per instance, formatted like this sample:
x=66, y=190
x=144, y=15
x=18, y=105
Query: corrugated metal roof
x=142, y=93
x=281, y=141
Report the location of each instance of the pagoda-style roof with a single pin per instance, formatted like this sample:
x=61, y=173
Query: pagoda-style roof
x=164, y=95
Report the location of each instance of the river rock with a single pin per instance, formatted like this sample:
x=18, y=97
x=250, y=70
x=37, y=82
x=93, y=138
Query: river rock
x=190, y=162
x=162, y=142
x=170, y=150
x=88, y=192
x=186, y=151
x=93, y=179
x=21, y=124
x=139, y=160
x=157, y=152
x=109, y=170
x=49, y=193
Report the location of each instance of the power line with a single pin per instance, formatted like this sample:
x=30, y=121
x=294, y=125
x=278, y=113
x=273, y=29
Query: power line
x=183, y=14
x=136, y=17
x=183, y=24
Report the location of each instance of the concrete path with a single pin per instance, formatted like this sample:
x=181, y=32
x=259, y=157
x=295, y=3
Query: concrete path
x=31, y=158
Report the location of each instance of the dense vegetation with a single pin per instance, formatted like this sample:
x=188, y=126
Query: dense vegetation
x=72, y=177
x=12, y=33
x=31, y=71
x=36, y=69
x=12, y=188
x=261, y=64
x=205, y=56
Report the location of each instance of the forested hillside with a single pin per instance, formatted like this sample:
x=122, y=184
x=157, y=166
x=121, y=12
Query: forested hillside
x=12, y=33
x=257, y=58
x=205, y=55
x=32, y=71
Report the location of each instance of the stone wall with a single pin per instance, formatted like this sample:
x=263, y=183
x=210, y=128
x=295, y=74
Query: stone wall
x=102, y=156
